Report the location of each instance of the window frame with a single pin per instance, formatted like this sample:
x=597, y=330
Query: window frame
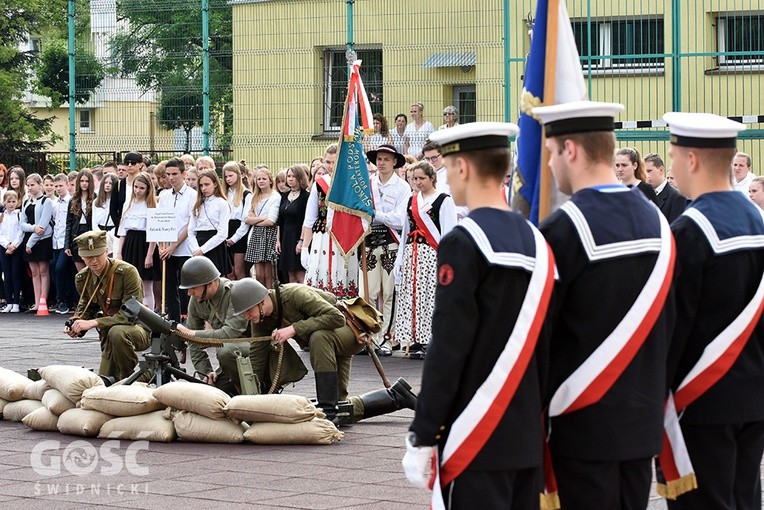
x=329, y=70
x=722, y=27
x=599, y=64
x=80, y=121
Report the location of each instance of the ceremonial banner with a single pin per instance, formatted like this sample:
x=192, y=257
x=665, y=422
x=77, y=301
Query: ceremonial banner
x=350, y=193
x=553, y=75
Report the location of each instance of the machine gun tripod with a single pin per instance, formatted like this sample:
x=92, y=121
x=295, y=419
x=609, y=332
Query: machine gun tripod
x=161, y=360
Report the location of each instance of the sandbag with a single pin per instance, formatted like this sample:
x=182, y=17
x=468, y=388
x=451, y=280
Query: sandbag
x=56, y=402
x=15, y=411
x=3, y=402
x=69, y=380
x=36, y=390
x=12, y=385
x=82, y=422
x=198, y=398
x=196, y=428
x=315, y=431
x=148, y=427
x=41, y=419
x=271, y=408
x=120, y=400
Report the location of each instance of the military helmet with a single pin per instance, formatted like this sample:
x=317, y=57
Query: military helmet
x=197, y=271
x=245, y=294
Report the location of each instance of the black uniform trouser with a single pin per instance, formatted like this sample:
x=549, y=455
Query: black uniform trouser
x=727, y=464
x=488, y=490
x=615, y=485
x=177, y=299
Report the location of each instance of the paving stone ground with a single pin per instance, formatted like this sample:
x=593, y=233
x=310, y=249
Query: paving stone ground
x=361, y=472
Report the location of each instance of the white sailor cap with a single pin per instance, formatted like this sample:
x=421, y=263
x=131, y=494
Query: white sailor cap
x=577, y=117
x=474, y=136
x=704, y=130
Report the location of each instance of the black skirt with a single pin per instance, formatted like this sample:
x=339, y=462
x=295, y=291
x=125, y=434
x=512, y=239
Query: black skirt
x=81, y=229
x=42, y=251
x=219, y=254
x=239, y=246
x=134, y=252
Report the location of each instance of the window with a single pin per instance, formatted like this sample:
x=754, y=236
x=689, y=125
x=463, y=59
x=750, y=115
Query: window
x=465, y=100
x=620, y=44
x=741, y=39
x=86, y=121
x=35, y=45
x=336, y=83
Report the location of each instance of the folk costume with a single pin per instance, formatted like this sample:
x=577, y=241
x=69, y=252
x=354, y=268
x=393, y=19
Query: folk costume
x=327, y=269
x=428, y=220
x=383, y=241
x=479, y=406
x=609, y=332
x=716, y=361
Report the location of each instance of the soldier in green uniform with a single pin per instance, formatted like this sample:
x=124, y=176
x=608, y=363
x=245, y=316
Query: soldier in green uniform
x=310, y=317
x=104, y=284
x=211, y=316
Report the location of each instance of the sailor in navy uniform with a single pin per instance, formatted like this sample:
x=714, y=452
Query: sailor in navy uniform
x=608, y=319
x=719, y=280
x=482, y=354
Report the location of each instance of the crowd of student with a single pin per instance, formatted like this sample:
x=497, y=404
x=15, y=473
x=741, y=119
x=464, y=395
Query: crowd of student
x=243, y=220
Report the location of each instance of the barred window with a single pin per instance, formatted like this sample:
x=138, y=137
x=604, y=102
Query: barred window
x=740, y=38
x=620, y=44
x=336, y=83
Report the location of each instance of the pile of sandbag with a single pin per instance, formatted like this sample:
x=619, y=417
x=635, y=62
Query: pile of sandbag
x=75, y=401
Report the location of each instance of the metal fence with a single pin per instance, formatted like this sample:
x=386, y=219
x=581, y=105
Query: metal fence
x=264, y=81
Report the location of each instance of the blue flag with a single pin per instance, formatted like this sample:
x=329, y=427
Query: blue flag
x=562, y=77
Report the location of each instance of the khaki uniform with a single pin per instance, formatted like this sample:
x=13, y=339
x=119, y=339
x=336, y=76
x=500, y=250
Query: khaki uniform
x=317, y=324
x=119, y=338
x=218, y=312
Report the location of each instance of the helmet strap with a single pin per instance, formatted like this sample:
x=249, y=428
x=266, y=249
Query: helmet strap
x=204, y=293
x=260, y=309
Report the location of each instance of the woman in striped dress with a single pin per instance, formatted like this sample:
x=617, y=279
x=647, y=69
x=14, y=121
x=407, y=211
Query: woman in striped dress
x=431, y=215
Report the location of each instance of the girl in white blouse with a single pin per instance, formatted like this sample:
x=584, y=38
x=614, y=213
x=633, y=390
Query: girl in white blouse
x=261, y=250
x=133, y=247
x=208, y=226
x=240, y=202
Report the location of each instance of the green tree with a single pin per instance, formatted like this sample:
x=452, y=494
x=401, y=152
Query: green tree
x=20, y=130
x=52, y=74
x=162, y=50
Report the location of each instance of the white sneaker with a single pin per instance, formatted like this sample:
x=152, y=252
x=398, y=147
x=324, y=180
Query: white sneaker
x=15, y=309
x=6, y=309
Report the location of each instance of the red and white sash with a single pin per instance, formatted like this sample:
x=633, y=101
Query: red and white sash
x=597, y=374
x=717, y=358
x=374, y=193
x=323, y=183
x=425, y=226
x=474, y=426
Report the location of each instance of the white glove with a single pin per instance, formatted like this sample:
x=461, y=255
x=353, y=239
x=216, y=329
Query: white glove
x=304, y=257
x=417, y=464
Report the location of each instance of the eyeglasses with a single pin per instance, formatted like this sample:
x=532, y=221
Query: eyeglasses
x=131, y=163
x=432, y=159
x=448, y=113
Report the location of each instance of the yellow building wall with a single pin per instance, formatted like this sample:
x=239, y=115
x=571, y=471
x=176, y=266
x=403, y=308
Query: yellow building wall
x=115, y=127
x=278, y=66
